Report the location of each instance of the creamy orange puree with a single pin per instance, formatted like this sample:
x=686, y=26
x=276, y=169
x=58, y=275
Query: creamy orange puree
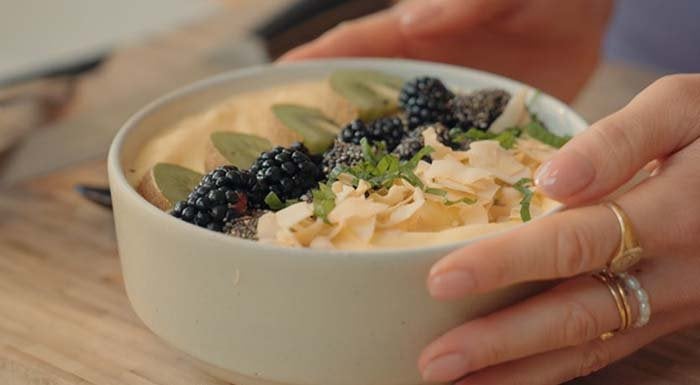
x=185, y=143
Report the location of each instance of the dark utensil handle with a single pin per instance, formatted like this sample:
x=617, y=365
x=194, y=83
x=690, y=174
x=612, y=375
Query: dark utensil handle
x=98, y=195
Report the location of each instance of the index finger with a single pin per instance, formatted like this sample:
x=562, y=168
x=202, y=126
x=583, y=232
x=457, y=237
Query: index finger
x=559, y=246
x=657, y=123
x=374, y=35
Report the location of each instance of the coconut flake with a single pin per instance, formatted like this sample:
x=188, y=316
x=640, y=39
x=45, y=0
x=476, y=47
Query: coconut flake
x=512, y=113
x=486, y=190
x=409, y=239
x=402, y=212
x=268, y=227
x=306, y=232
x=473, y=215
x=362, y=188
x=322, y=243
x=397, y=193
x=287, y=238
x=355, y=207
x=356, y=232
x=289, y=216
x=452, y=169
x=341, y=191
x=430, y=139
x=490, y=156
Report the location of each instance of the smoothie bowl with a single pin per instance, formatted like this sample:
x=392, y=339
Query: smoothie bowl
x=278, y=223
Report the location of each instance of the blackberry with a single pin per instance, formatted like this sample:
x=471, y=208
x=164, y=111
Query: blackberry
x=286, y=172
x=426, y=100
x=299, y=146
x=341, y=155
x=221, y=196
x=242, y=180
x=389, y=130
x=245, y=227
x=354, y=131
x=413, y=142
x=479, y=109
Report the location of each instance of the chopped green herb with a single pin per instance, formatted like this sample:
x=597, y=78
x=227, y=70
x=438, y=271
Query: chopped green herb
x=538, y=131
x=411, y=177
x=324, y=201
x=381, y=169
x=372, y=154
x=460, y=136
x=523, y=186
x=422, y=153
x=468, y=201
x=447, y=202
x=506, y=138
x=275, y=203
x=435, y=191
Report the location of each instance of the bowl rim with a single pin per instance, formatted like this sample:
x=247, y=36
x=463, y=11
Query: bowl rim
x=118, y=176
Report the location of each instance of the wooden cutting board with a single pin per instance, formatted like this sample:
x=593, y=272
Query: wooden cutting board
x=65, y=318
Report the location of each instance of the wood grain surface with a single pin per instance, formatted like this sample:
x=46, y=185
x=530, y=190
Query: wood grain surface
x=65, y=318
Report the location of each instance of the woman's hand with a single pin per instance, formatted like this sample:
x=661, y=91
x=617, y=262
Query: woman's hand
x=551, y=44
x=553, y=337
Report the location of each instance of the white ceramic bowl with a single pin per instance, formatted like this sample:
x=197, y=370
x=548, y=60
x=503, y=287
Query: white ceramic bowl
x=260, y=314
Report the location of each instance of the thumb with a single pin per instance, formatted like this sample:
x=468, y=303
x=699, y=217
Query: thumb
x=427, y=18
x=661, y=120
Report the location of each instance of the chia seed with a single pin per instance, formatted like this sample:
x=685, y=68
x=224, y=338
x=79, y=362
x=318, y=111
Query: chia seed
x=245, y=227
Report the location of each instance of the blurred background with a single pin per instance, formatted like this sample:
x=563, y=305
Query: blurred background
x=72, y=71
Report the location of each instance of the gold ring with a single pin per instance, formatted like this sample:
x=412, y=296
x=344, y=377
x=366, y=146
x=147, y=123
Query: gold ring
x=622, y=292
x=618, y=293
x=629, y=252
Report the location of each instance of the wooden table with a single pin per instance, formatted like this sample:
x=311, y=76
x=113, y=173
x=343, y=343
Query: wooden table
x=65, y=318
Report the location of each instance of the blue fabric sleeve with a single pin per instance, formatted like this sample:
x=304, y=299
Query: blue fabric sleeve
x=660, y=34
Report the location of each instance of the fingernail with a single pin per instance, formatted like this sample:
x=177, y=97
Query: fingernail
x=444, y=368
x=417, y=15
x=451, y=283
x=564, y=175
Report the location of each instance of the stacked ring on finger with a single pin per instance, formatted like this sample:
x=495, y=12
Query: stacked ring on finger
x=620, y=298
x=633, y=286
x=621, y=286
